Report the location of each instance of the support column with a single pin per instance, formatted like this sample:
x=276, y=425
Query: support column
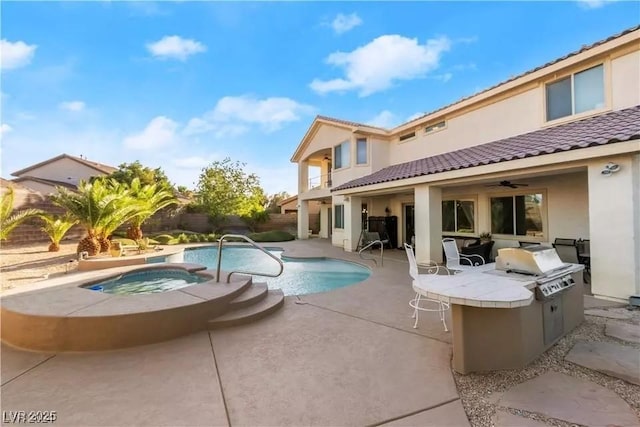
x=324, y=213
x=428, y=223
x=352, y=222
x=614, y=228
x=303, y=219
x=303, y=177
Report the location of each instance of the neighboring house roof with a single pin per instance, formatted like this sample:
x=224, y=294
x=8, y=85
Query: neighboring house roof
x=617, y=126
x=45, y=181
x=287, y=200
x=100, y=167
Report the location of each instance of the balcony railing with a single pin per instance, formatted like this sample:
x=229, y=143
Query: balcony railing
x=322, y=181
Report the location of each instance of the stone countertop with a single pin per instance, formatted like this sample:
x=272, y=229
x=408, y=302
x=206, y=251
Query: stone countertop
x=483, y=286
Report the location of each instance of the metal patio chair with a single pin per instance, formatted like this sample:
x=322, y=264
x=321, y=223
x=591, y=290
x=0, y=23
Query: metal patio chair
x=433, y=271
x=455, y=260
x=567, y=250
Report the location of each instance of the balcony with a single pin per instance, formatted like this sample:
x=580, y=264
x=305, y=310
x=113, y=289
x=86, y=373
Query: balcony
x=320, y=182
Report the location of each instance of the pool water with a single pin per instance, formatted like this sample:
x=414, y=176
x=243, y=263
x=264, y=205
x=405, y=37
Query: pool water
x=300, y=276
x=147, y=282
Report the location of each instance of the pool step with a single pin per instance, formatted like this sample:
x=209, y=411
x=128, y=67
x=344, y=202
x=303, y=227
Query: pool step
x=273, y=301
x=256, y=293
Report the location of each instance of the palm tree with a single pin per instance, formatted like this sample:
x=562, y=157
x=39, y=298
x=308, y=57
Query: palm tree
x=10, y=220
x=149, y=199
x=100, y=207
x=56, y=228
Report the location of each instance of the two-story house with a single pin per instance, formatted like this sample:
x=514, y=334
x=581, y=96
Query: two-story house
x=551, y=153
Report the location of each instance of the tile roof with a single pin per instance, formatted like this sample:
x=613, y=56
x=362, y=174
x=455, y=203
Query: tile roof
x=617, y=126
x=348, y=122
x=101, y=167
x=562, y=58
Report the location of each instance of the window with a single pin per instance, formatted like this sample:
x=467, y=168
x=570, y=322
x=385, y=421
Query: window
x=458, y=216
x=580, y=92
x=338, y=216
x=519, y=215
x=361, y=151
x=434, y=127
x=407, y=136
x=342, y=155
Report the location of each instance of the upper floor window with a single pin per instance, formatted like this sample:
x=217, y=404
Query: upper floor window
x=434, y=127
x=342, y=155
x=458, y=216
x=518, y=215
x=361, y=151
x=407, y=136
x=577, y=93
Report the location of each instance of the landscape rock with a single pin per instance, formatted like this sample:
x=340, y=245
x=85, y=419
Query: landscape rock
x=623, y=331
x=612, y=359
x=570, y=399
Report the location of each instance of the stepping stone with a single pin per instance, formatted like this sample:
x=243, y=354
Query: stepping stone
x=622, y=314
x=507, y=419
x=623, y=331
x=570, y=399
x=612, y=359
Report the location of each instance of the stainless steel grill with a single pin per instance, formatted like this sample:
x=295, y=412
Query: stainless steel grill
x=552, y=276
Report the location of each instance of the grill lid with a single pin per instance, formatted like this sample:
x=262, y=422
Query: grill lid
x=537, y=260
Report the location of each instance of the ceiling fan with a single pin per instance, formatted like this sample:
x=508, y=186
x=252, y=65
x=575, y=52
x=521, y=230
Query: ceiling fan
x=507, y=184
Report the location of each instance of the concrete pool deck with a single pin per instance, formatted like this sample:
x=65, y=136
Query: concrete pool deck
x=345, y=357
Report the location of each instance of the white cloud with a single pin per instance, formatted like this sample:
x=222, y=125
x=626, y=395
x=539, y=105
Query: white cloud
x=343, y=23
x=445, y=77
x=376, y=66
x=5, y=128
x=385, y=119
x=233, y=115
x=15, y=54
x=74, y=106
x=160, y=132
x=593, y=4
x=175, y=47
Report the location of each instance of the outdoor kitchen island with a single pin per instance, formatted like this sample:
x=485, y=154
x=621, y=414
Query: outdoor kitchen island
x=503, y=319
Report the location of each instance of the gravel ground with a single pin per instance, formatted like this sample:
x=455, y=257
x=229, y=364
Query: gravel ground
x=479, y=392
x=20, y=265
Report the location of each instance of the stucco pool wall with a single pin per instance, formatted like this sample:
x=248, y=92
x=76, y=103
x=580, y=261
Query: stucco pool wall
x=71, y=318
x=168, y=254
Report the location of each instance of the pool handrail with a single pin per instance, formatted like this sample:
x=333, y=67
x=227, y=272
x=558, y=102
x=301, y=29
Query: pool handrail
x=375, y=242
x=252, y=243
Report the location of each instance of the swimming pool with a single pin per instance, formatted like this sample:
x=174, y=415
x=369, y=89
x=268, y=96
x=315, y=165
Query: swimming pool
x=300, y=276
x=147, y=282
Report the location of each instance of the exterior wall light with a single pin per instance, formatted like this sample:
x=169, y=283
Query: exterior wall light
x=610, y=168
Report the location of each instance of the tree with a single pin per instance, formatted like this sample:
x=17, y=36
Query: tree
x=10, y=220
x=101, y=207
x=224, y=188
x=148, y=199
x=127, y=172
x=274, y=199
x=56, y=228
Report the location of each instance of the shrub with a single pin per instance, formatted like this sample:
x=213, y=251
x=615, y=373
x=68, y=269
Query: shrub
x=194, y=238
x=202, y=237
x=125, y=242
x=271, y=236
x=212, y=238
x=153, y=241
x=182, y=238
x=164, y=239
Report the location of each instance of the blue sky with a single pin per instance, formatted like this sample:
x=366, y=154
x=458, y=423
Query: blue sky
x=181, y=84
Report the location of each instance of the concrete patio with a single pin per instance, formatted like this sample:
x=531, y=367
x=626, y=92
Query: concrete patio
x=345, y=357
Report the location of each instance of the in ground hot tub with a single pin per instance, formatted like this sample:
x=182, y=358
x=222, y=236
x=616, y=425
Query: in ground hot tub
x=147, y=282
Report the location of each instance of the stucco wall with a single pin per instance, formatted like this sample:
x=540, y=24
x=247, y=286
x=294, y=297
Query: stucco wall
x=38, y=186
x=626, y=81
